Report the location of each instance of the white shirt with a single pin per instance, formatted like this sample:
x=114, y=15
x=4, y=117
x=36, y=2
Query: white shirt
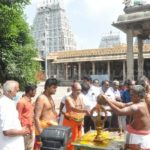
x=63, y=101
x=110, y=95
x=116, y=93
x=89, y=101
x=9, y=120
x=94, y=90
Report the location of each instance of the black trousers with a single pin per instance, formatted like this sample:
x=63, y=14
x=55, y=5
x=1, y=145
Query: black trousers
x=114, y=121
x=107, y=123
x=88, y=124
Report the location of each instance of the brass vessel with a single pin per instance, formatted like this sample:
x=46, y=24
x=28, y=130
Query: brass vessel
x=99, y=121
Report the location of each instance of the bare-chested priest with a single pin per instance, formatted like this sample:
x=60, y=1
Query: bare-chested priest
x=138, y=130
x=74, y=105
x=45, y=114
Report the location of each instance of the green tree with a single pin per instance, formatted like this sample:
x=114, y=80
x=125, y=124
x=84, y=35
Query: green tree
x=16, y=44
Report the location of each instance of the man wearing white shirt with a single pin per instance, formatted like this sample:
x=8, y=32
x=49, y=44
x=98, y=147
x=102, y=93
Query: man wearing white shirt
x=115, y=90
x=94, y=90
x=89, y=102
x=117, y=121
x=11, y=132
x=107, y=90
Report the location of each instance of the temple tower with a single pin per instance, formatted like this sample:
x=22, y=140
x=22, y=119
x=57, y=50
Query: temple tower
x=51, y=29
x=110, y=40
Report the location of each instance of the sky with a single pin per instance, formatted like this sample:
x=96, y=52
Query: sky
x=89, y=19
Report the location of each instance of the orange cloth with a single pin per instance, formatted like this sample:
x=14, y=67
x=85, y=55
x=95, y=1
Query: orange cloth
x=76, y=131
x=44, y=124
x=25, y=110
x=134, y=131
x=37, y=144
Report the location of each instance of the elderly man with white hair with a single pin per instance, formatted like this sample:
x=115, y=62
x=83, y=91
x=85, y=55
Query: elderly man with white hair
x=11, y=132
x=115, y=90
x=138, y=130
x=117, y=120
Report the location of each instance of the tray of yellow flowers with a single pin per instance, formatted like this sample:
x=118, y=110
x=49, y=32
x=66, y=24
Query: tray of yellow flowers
x=109, y=140
x=76, y=117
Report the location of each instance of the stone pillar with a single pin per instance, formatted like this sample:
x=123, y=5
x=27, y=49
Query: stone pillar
x=57, y=71
x=124, y=70
x=79, y=71
x=140, y=58
x=130, y=56
x=93, y=68
x=108, y=69
x=64, y=71
x=66, y=65
x=49, y=69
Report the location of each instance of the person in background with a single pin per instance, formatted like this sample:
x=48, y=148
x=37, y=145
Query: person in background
x=115, y=89
x=121, y=88
x=25, y=110
x=89, y=103
x=94, y=90
x=11, y=132
x=107, y=90
x=121, y=119
x=96, y=83
x=126, y=97
x=87, y=79
x=115, y=122
x=45, y=113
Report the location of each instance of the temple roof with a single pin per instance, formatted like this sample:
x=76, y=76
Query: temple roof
x=137, y=8
x=115, y=53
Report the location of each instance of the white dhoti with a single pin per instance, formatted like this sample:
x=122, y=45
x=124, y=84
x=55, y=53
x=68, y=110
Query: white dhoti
x=140, y=138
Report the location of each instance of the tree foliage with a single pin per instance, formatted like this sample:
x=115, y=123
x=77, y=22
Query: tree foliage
x=16, y=44
x=20, y=3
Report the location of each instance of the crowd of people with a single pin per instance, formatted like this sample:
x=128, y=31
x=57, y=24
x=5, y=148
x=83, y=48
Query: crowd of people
x=127, y=105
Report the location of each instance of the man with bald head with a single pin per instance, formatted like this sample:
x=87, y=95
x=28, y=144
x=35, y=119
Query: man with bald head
x=138, y=130
x=11, y=132
x=74, y=104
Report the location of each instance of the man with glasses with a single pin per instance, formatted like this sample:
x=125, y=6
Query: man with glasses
x=74, y=104
x=107, y=90
x=11, y=132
